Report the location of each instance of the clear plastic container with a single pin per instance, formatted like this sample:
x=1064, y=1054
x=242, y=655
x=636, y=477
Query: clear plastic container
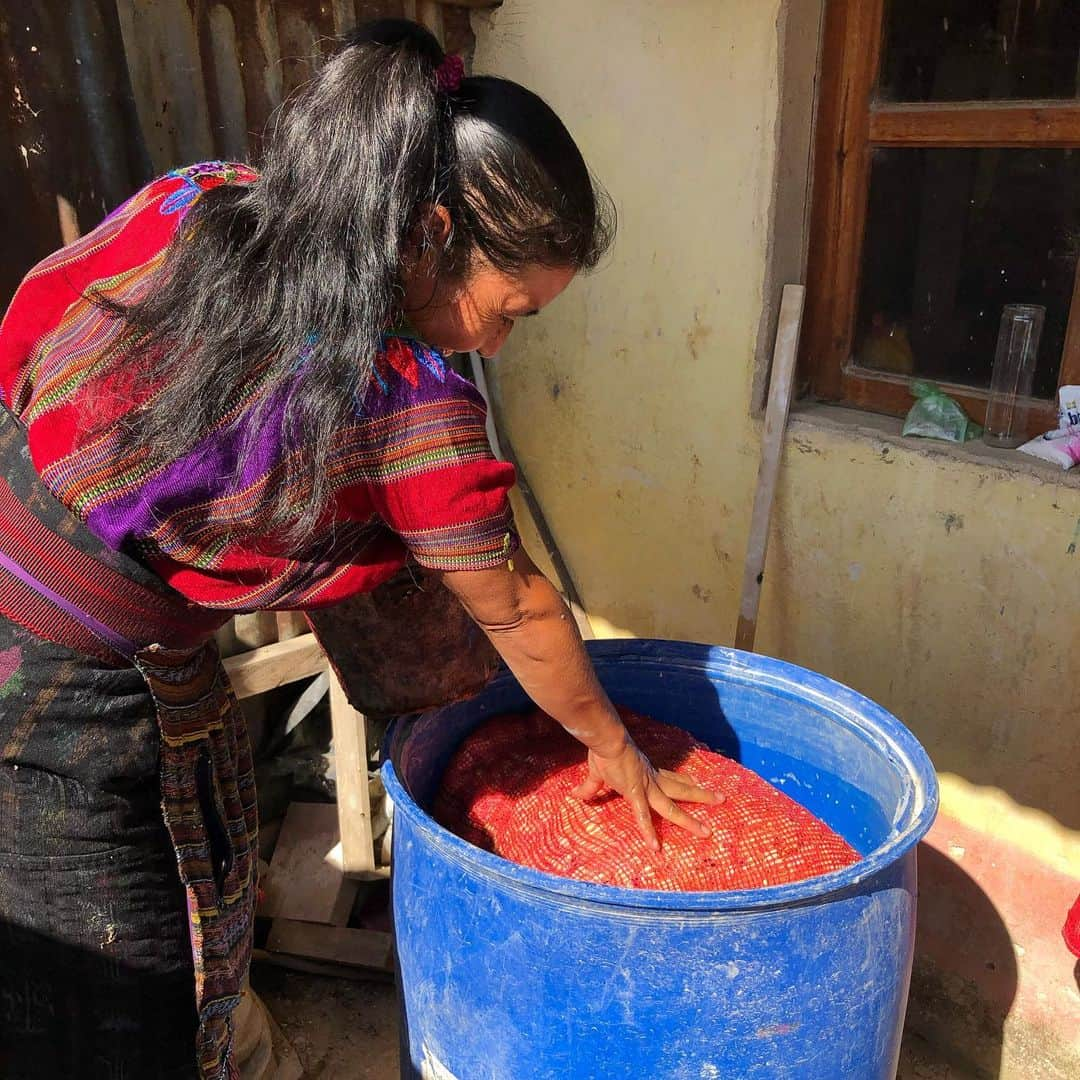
x=1012, y=375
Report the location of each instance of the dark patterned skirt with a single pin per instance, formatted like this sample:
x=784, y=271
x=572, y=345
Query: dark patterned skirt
x=96, y=970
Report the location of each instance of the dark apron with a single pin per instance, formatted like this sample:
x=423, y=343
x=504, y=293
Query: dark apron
x=78, y=617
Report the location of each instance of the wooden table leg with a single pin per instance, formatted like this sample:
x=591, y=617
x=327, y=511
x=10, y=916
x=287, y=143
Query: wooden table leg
x=351, y=762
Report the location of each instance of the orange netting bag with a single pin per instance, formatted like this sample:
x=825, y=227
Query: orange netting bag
x=508, y=790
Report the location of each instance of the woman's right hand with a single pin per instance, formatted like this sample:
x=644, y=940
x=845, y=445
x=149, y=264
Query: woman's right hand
x=629, y=772
x=533, y=631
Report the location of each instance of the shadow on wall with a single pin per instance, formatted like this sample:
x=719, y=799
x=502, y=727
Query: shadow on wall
x=965, y=978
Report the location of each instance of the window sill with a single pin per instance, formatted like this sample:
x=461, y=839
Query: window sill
x=886, y=429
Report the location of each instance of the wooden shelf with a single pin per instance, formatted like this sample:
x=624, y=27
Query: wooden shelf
x=271, y=666
x=323, y=850
x=339, y=945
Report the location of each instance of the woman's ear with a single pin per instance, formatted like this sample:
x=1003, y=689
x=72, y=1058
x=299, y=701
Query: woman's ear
x=432, y=230
x=440, y=226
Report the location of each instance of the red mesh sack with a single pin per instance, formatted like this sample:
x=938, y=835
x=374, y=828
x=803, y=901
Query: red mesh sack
x=508, y=790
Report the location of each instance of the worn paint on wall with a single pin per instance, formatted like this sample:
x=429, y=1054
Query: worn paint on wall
x=937, y=582
x=945, y=590
x=635, y=384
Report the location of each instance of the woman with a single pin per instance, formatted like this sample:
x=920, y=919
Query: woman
x=211, y=406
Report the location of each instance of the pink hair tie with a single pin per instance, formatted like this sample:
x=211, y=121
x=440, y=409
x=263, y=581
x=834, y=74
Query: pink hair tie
x=449, y=73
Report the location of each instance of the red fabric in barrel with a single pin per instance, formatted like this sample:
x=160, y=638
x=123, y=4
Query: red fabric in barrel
x=508, y=790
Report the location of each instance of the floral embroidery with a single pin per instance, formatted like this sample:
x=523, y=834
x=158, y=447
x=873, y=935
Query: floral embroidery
x=11, y=679
x=202, y=177
x=405, y=356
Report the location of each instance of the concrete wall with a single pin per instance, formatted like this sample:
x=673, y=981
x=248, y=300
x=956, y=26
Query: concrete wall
x=946, y=585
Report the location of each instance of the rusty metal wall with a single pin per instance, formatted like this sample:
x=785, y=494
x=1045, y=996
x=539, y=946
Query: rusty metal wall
x=101, y=95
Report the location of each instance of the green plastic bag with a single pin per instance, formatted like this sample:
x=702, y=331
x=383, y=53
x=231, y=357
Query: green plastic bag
x=936, y=416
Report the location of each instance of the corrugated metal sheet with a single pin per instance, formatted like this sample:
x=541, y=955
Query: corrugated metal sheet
x=101, y=95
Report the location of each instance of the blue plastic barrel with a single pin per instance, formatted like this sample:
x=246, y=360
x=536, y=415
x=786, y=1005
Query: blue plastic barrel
x=507, y=973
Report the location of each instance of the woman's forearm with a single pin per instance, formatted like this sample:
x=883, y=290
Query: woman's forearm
x=531, y=627
x=545, y=652
x=533, y=631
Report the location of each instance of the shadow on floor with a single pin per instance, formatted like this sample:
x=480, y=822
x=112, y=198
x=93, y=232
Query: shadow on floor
x=340, y=1029
x=345, y=1030
x=965, y=978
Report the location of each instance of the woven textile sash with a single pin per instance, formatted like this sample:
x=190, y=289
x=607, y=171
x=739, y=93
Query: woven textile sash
x=55, y=580
x=60, y=582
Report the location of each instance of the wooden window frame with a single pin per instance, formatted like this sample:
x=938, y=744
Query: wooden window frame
x=851, y=124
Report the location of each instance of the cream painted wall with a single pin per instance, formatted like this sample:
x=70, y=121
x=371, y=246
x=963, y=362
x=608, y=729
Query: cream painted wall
x=642, y=373
x=941, y=585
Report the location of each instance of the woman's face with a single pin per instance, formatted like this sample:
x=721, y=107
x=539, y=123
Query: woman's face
x=479, y=311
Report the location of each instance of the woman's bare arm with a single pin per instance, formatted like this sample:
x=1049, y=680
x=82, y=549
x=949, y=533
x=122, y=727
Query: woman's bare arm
x=533, y=631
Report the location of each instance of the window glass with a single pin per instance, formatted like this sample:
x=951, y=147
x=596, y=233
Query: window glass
x=953, y=236
x=980, y=50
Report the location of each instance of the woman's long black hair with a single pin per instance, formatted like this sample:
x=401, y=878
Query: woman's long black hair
x=305, y=262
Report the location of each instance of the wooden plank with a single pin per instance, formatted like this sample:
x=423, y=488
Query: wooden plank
x=976, y=124
x=851, y=53
x=772, y=443
x=255, y=629
x=275, y=665
x=290, y=624
x=320, y=967
x=1069, y=374
x=305, y=880
x=351, y=767
x=335, y=944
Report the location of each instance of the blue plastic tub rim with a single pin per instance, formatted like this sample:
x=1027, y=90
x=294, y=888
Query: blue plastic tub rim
x=868, y=719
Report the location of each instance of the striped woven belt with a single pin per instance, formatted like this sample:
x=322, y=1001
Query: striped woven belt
x=60, y=582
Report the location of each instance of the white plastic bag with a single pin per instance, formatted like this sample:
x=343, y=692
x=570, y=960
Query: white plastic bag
x=1061, y=446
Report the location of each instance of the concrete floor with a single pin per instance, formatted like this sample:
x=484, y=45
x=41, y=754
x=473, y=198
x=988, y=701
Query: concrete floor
x=338, y=1027
x=344, y=1030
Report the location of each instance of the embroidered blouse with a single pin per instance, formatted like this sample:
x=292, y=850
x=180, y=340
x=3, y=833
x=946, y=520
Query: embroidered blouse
x=413, y=474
